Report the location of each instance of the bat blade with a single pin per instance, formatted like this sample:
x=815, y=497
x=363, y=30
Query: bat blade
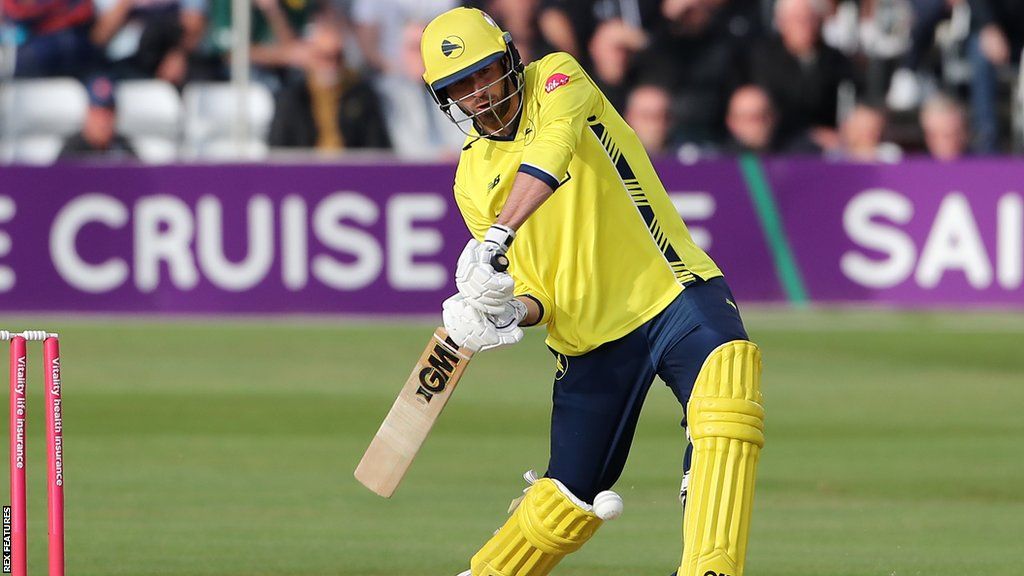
x=420, y=402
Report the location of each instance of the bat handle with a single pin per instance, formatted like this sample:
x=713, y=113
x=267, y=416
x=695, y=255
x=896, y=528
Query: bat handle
x=499, y=263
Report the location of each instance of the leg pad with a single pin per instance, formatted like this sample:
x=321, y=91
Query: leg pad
x=546, y=526
x=726, y=425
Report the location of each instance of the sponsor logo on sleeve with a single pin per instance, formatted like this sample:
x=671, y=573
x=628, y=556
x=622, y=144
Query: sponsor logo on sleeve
x=554, y=81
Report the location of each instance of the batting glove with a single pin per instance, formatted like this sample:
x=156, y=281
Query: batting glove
x=471, y=328
x=485, y=288
x=513, y=313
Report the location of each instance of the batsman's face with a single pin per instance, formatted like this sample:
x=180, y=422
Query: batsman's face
x=486, y=95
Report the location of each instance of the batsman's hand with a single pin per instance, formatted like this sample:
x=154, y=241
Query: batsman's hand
x=485, y=288
x=471, y=328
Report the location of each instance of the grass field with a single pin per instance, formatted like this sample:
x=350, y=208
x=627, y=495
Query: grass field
x=895, y=447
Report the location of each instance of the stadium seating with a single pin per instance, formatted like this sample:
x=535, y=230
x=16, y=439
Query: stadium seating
x=7, y=54
x=210, y=117
x=37, y=115
x=38, y=149
x=149, y=114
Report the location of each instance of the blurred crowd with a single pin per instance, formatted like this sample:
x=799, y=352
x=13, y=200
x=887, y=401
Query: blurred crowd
x=867, y=80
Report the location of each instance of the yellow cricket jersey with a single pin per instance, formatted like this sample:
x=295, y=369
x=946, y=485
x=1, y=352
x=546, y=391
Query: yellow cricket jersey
x=608, y=251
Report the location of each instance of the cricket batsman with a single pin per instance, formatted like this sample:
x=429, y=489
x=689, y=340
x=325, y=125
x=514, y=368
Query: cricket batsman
x=553, y=179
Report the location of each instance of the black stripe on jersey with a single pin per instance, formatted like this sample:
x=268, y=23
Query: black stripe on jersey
x=643, y=205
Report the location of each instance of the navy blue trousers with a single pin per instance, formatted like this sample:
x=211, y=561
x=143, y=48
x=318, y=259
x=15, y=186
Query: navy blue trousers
x=598, y=395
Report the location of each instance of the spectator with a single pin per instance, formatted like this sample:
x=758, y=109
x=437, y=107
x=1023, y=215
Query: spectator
x=884, y=38
x=751, y=121
x=151, y=38
x=693, y=55
x=753, y=125
x=562, y=24
x=519, y=18
x=415, y=127
x=274, y=38
x=905, y=90
x=649, y=113
x=611, y=50
x=98, y=137
x=996, y=42
x=570, y=25
x=944, y=123
x=331, y=108
x=379, y=26
x=860, y=136
x=57, y=42
x=841, y=28
x=801, y=73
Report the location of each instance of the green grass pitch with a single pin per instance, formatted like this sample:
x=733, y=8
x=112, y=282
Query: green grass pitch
x=895, y=447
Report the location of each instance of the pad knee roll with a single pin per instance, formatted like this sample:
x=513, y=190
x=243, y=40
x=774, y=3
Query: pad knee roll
x=725, y=417
x=546, y=526
x=726, y=400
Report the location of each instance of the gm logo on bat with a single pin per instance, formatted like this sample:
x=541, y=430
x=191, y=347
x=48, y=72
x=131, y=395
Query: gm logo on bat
x=434, y=378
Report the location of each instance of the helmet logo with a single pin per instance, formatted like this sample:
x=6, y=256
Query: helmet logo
x=453, y=46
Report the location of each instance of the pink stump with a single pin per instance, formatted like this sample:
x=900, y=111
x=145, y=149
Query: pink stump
x=19, y=375
x=54, y=456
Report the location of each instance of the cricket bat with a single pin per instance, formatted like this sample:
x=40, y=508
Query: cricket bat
x=413, y=414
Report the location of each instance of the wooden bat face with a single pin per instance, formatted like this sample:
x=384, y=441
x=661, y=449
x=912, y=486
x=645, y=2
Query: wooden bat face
x=420, y=402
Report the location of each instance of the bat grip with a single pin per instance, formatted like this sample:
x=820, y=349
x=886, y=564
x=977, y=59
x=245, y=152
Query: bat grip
x=499, y=263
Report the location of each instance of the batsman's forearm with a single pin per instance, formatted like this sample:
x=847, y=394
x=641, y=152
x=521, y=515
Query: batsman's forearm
x=533, y=311
x=527, y=194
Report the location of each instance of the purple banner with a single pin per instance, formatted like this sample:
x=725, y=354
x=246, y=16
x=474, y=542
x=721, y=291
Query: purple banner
x=353, y=239
x=712, y=198
x=383, y=238
x=915, y=234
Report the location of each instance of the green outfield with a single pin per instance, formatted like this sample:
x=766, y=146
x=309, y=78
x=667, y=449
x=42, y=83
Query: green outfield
x=895, y=447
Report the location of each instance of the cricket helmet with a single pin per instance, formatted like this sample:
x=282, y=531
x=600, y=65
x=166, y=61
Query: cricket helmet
x=459, y=43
